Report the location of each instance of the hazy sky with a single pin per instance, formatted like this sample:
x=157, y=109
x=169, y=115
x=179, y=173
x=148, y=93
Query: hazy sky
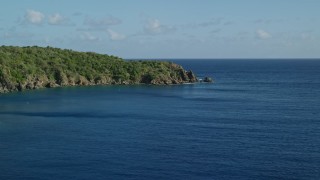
x=167, y=28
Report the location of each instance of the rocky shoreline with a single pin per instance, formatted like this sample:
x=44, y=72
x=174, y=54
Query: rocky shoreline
x=44, y=82
x=27, y=68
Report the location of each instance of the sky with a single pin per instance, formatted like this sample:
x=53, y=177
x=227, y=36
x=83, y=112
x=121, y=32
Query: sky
x=167, y=28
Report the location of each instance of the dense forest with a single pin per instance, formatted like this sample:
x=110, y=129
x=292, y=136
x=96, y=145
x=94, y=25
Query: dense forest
x=37, y=67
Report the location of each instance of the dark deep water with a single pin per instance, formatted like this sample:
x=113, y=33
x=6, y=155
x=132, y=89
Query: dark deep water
x=259, y=120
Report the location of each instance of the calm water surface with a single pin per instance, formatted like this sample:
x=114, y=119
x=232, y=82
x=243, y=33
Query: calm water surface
x=259, y=120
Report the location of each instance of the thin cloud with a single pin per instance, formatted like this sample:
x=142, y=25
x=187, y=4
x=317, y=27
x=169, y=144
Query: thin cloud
x=101, y=24
x=115, y=36
x=88, y=37
x=154, y=27
x=209, y=23
x=16, y=35
x=212, y=22
x=34, y=17
x=268, y=21
x=58, y=19
x=261, y=34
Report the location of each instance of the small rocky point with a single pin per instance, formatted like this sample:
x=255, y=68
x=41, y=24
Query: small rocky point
x=207, y=79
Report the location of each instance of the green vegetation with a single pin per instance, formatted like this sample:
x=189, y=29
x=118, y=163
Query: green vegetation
x=37, y=67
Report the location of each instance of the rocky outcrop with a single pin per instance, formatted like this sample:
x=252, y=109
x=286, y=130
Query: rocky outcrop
x=207, y=79
x=192, y=77
x=61, y=80
x=181, y=77
x=6, y=85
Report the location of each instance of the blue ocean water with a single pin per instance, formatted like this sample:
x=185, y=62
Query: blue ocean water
x=259, y=120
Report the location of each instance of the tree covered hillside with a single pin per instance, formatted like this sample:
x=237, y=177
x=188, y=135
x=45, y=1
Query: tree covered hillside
x=37, y=67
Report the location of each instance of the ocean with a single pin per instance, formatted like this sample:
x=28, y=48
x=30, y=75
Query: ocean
x=260, y=119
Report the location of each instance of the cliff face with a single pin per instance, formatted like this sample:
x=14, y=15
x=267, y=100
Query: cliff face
x=36, y=67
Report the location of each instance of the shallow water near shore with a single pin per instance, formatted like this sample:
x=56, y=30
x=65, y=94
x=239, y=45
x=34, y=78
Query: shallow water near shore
x=259, y=120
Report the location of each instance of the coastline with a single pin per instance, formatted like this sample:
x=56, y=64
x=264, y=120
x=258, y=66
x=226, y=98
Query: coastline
x=28, y=68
